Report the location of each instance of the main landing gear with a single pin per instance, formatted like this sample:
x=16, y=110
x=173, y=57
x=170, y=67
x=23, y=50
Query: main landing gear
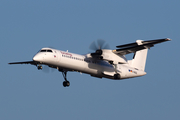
x=117, y=75
x=66, y=83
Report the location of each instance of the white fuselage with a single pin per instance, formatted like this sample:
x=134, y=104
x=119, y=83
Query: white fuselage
x=81, y=63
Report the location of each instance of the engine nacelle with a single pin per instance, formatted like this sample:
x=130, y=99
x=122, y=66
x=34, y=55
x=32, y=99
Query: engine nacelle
x=110, y=56
x=97, y=53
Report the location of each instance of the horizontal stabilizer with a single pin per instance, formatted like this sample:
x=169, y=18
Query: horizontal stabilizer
x=133, y=47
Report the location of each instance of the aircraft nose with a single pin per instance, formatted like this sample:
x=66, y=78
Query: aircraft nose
x=37, y=57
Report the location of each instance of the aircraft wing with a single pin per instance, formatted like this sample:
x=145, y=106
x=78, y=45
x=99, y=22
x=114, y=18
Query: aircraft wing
x=26, y=62
x=36, y=63
x=133, y=47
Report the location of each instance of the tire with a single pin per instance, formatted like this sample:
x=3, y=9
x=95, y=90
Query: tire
x=117, y=76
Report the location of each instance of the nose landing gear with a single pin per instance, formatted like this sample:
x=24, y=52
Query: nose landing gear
x=39, y=67
x=66, y=83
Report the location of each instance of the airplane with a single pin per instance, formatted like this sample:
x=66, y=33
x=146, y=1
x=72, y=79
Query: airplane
x=102, y=63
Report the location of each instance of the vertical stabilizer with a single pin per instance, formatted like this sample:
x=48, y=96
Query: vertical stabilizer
x=140, y=48
x=139, y=60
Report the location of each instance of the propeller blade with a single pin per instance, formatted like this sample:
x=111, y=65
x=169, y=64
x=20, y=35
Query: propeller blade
x=100, y=43
x=53, y=69
x=93, y=46
x=106, y=46
x=47, y=69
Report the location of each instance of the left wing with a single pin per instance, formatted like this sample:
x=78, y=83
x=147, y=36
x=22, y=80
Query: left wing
x=136, y=46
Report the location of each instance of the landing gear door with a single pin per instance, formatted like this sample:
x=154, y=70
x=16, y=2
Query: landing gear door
x=119, y=68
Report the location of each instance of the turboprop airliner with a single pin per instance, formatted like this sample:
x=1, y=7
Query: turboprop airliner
x=102, y=63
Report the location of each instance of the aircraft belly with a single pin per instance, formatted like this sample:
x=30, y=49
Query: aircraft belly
x=97, y=69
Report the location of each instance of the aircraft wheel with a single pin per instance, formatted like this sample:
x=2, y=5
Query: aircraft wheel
x=39, y=67
x=66, y=83
x=117, y=76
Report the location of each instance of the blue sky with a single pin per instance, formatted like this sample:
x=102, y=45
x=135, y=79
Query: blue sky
x=27, y=26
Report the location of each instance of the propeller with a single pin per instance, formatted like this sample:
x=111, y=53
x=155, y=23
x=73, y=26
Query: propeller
x=98, y=46
x=47, y=69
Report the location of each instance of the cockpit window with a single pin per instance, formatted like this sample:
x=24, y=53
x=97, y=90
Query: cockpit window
x=46, y=51
x=49, y=50
x=43, y=51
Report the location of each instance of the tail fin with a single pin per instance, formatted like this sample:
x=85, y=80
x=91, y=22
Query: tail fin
x=140, y=49
x=139, y=59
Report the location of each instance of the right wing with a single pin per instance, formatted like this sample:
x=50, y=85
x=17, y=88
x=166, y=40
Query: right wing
x=36, y=63
x=26, y=62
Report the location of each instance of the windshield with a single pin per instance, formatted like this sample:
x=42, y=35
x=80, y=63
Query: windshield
x=46, y=51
